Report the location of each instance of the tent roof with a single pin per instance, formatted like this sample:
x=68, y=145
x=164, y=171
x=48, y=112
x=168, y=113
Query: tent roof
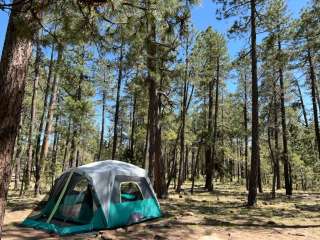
x=111, y=167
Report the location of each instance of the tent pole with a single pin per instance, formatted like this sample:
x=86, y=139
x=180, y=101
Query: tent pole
x=60, y=197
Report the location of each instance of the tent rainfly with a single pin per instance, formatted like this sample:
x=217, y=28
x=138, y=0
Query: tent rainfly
x=100, y=195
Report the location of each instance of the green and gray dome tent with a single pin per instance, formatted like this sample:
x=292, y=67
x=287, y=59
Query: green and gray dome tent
x=99, y=195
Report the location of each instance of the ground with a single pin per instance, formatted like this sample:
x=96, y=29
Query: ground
x=219, y=215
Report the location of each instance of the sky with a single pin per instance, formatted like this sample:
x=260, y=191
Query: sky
x=203, y=16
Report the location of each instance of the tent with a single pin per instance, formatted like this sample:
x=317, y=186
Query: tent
x=100, y=195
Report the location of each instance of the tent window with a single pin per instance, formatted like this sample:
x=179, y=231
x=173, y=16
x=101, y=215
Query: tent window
x=130, y=192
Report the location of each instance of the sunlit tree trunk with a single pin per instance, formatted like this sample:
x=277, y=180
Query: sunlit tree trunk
x=33, y=113
x=51, y=110
x=245, y=115
x=183, y=117
x=13, y=69
x=255, y=152
x=286, y=163
x=102, y=124
x=208, y=151
x=45, y=106
x=314, y=101
x=116, y=114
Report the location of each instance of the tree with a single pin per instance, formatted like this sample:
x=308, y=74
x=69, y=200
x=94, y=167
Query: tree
x=248, y=18
x=33, y=112
x=210, y=46
x=13, y=69
x=278, y=24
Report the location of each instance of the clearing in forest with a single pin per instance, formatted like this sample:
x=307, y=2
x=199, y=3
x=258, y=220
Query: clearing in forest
x=221, y=214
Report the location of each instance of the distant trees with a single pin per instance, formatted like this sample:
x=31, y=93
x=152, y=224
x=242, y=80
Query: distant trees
x=210, y=47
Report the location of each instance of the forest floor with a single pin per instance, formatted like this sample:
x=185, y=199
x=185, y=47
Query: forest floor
x=219, y=215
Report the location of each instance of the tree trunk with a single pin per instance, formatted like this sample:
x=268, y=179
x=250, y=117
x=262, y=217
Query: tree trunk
x=51, y=110
x=73, y=148
x=102, y=124
x=156, y=166
x=245, y=115
x=33, y=112
x=302, y=104
x=216, y=112
x=273, y=161
x=276, y=135
x=208, y=153
x=317, y=96
x=146, y=147
x=195, y=170
x=45, y=106
x=55, y=150
x=13, y=69
x=74, y=156
x=133, y=124
x=183, y=117
x=116, y=115
x=314, y=101
x=286, y=163
x=18, y=155
x=255, y=152
x=66, y=147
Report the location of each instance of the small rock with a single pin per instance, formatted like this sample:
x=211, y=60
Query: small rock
x=120, y=230
x=188, y=214
x=180, y=196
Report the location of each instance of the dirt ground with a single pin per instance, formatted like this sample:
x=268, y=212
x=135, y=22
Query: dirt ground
x=221, y=215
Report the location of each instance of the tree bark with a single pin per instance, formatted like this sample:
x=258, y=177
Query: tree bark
x=276, y=136
x=74, y=155
x=183, y=117
x=194, y=172
x=286, y=163
x=314, y=101
x=208, y=153
x=33, y=112
x=216, y=112
x=66, y=147
x=13, y=69
x=133, y=125
x=116, y=115
x=273, y=161
x=45, y=106
x=156, y=166
x=255, y=152
x=18, y=155
x=51, y=110
x=245, y=115
x=55, y=150
x=102, y=124
x=302, y=104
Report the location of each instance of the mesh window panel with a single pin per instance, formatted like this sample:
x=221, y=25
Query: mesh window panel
x=77, y=204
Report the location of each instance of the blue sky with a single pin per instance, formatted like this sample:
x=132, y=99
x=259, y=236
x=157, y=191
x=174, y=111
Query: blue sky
x=202, y=17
